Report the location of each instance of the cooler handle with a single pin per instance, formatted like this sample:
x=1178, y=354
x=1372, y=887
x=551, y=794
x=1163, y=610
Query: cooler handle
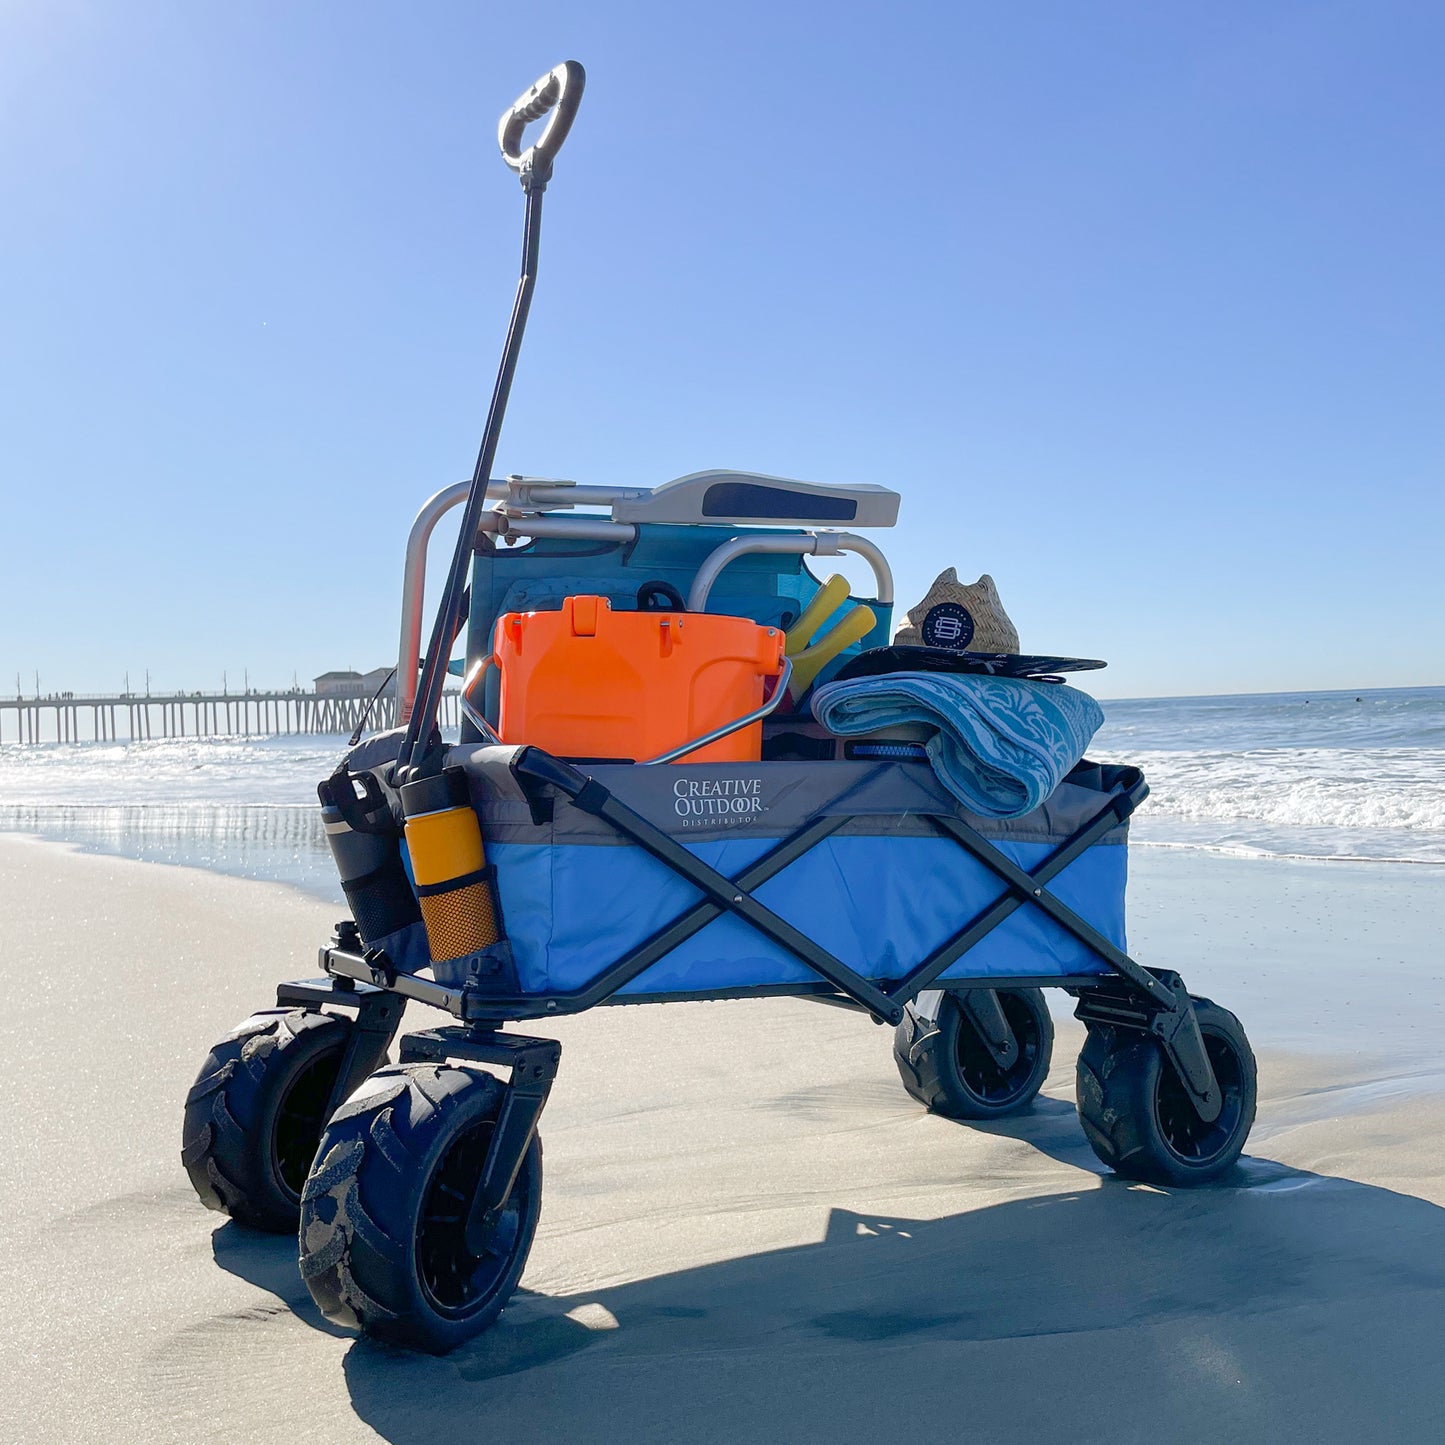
x=474, y=713
x=780, y=686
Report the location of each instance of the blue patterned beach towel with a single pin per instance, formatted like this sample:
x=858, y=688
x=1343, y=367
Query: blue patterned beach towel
x=1003, y=743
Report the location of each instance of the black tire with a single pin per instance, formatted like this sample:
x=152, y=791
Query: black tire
x=946, y=1067
x=256, y=1111
x=1138, y=1117
x=383, y=1213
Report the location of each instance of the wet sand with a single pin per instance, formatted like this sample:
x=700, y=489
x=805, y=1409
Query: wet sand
x=749, y=1232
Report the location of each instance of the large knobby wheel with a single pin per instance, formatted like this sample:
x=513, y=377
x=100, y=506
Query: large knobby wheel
x=1138, y=1116
x=256, y=1111
x=947, y=1068
x=383, y=1215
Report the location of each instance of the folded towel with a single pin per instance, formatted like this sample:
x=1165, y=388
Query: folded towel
x=1003, y=743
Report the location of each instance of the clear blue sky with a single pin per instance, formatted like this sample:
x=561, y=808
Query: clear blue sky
x=1138, y=305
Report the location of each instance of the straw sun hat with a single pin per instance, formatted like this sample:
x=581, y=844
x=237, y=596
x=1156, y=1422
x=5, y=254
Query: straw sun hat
x=959, y=616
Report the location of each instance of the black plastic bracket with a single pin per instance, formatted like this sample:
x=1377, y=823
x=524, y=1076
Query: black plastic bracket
x=534, y=1066
x=983, y=1010
x=1175, y=1027
x=378, y=1016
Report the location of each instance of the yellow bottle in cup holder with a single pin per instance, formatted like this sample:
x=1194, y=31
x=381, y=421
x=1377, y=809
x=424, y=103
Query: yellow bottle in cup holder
x=449, y=866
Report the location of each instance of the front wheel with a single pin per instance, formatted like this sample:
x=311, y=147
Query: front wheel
x=256, y=1111
x=384, y=1213
x=1140, y=1120
x=946, y=1066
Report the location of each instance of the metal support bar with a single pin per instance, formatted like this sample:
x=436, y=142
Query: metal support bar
x=545, y=494
x=676, y=933
x=983, y=1010
x=836, y=1000
x=1177, y=1030
x=984, y=922
x=1031, y=891
x=807, y=544
x=592, y=797
x=413, y=591
x=373, y=967
x=534, y=1066
x=597, y=529
x=311, y=993
x=1073, y=984
x=377, y=1019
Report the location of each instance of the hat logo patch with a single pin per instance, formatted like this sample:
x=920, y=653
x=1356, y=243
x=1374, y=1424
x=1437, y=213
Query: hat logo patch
x=948, y=624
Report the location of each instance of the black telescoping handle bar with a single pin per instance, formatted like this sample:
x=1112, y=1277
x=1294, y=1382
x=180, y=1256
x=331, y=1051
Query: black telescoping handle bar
x=559, y=91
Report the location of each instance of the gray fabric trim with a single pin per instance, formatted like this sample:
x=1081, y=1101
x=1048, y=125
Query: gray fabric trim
x=772, y=800
x=496, y=795
x=376, y=751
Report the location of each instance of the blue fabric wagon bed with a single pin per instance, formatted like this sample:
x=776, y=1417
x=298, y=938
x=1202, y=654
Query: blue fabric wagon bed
x=884, y=889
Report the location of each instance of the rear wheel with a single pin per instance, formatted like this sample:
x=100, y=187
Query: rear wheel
x=1137, y=1115
x=256, y=1112
x=383, y=1219
x=946, y=1066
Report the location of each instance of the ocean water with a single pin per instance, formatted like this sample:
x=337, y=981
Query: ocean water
x=244, y=805
x=1334, y=775
x=1329, y=776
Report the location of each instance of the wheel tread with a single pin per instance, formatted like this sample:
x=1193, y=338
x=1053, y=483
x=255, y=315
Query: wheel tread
x=207, y=1084
x=228, y=1165
x=372, y=1161
x=388, y=1143
x=924, y=1051
x=197, y=1145
x=1115, y=1078
x=341, y=1163
x=229, y=1197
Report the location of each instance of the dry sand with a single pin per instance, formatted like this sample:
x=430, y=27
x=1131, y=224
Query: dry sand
x=749, y=1232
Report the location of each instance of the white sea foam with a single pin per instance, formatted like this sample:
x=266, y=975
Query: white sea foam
x=1327, y=777
x=1338, y=776
x=172, y=772
x=1399, y=788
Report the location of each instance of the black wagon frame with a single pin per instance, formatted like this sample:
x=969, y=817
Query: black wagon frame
x=1128, y=996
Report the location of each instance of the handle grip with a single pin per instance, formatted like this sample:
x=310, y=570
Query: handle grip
x=826, y=601
x=649, y=593
x=560, y=92
x=854, y=627
x=366, y=812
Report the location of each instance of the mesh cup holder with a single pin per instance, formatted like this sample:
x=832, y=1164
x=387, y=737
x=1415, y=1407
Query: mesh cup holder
x=460, y=920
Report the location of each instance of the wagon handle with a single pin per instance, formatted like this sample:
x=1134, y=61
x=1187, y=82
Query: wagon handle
x=560, y=92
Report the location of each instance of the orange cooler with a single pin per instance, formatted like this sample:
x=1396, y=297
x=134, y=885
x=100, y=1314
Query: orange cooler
x=588, y=682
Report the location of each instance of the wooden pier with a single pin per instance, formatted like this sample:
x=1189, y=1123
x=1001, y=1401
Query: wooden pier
x=135, y=717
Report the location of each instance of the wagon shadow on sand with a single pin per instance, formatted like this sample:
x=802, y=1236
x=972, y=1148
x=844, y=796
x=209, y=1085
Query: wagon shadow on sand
x=1306, y=1305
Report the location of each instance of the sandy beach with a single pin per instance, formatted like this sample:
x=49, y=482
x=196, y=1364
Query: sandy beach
x=749, y=1232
